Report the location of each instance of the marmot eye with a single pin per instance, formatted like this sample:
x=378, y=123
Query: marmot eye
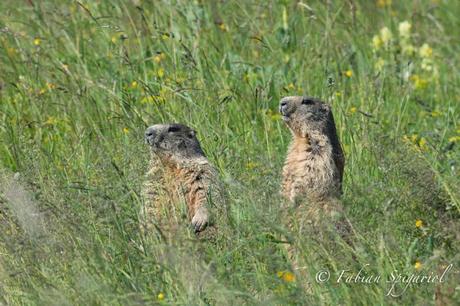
x=307, y=101
x=173, y=129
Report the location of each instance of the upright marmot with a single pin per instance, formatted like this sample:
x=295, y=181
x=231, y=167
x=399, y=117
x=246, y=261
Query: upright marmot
x=179, y=173
x=313, y=170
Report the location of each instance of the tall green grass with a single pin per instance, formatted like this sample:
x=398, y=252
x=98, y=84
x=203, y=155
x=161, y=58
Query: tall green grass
x=81, y=80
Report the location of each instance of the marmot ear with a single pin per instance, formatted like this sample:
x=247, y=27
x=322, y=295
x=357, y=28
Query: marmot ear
x=173, y=128
x=307, y=101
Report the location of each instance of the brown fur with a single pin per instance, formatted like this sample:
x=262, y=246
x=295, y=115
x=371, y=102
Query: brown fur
x=313, y=170
x=314, y=164
x=179, y=173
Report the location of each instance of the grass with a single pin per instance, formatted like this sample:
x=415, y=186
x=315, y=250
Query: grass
x=80, y=81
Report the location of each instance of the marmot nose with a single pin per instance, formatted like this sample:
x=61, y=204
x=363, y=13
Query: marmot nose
x=283, y=105
x=149, y=134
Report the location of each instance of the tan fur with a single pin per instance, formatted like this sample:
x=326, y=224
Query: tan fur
x=312, y=172
x=176, y=190
x=313, y=169
x=307, y=174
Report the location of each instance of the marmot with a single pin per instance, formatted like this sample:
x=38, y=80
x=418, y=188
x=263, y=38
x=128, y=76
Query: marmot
x=179, y=172
x=313, y=170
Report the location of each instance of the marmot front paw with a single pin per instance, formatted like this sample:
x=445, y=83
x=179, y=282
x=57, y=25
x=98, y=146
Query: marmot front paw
x=200, y=219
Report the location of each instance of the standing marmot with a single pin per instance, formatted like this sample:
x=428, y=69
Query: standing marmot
x=313, y=170
x=179, y=172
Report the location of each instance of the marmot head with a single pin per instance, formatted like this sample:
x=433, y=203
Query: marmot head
x=306, y=115
x=173, y=141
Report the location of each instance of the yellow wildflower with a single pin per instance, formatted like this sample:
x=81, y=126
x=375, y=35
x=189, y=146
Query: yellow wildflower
x=161, y=296
x=134, y=84
x=418, y=265
x=348, y=73
x=159, y=57
x=419, y=83
x=37, y=41
x=42, y=91
x=291, y=86
x=376, y=42
x=379, y=64
x=422, y=143
x=125, y=130
x=148, y=99
x=160, y=72
x=383, y=3
x=425, y=51
x=114, y=39
x=223, y=27
x=251, y=165
x=51, y=121
x=413, y=138
x=165, y=36
x=435, y=114
x=454, y=139
x=418, y=223
x=404, y=29
x=275, y=116
x=353, y=110
x=50, y=86
x=286, y=276
x=338, y=94
x=385, y=35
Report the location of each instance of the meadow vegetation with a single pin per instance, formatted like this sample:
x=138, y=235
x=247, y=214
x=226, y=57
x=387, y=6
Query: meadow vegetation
x=81, y=80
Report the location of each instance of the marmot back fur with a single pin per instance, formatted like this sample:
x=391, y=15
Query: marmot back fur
x=179, y=172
